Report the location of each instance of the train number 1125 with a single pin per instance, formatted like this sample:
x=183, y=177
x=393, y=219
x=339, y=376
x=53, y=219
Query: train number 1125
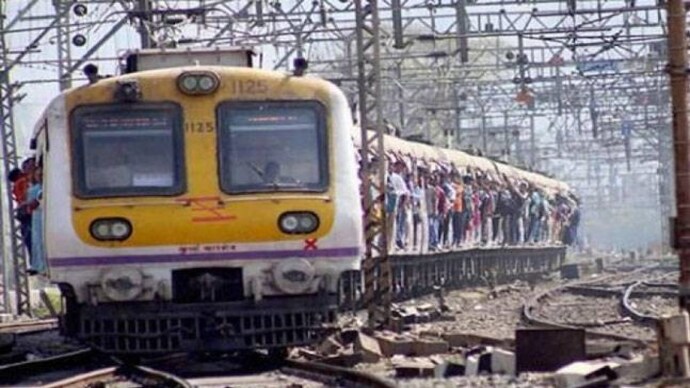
x=249, y=86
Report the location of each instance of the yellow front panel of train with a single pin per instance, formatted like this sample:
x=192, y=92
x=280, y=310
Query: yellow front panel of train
x=201, y=212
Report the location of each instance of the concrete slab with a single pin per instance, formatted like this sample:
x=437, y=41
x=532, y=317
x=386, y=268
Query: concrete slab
x=369, y=348
x=413, y=367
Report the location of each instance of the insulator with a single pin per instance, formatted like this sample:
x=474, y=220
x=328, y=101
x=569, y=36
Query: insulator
x=79, y=40
x=80, y=10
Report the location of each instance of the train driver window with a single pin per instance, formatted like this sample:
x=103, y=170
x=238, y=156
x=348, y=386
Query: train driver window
x=127, y=151
x=273, y=146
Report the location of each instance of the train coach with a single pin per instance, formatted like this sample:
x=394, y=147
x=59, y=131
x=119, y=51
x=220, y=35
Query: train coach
x=199, y=208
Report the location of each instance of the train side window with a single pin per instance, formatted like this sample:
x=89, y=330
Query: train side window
x=128, y=150
x=272, y=146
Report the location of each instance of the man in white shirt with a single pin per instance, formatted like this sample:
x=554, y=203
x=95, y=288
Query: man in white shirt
x=396, y=190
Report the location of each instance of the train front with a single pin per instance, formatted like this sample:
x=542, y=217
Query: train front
x=200, y=209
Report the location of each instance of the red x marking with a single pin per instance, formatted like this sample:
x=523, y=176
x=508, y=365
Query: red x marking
x=211, y=207
x=310, y=244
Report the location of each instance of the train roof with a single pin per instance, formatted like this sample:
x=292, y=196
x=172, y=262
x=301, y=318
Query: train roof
x=445, y=158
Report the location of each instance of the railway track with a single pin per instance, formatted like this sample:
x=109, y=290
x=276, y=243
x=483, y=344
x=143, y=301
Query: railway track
x=603, y=302
x=667, y=293
x=90, y=368
x=31, y=326
x=413, y=276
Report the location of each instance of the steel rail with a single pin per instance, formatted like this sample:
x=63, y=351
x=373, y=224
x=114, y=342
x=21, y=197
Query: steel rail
x=530, y=307
x=338, y=375
x=104, y=368
x=630, y=311
x=32, y=326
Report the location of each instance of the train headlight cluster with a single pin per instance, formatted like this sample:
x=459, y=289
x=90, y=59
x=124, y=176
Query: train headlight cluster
x=298, y=222
x=294, y=276
x=111, y=229
x=198, y=82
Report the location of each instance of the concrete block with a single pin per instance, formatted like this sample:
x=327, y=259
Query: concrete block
x=369, y=348
x=307, y=354
x=392, y=344
x=639, y=368
x=582, y=373
x=472, y=365
x=408, y=315
x=448, y=366
x=329, y=346
x=466, y=340
x=503, y=362
x=346, y=357
x=429, y=346
x=5, y=318
x=413, y=367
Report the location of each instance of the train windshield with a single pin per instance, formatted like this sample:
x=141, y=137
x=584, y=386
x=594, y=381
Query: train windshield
x=273, y=146
x=128, y=150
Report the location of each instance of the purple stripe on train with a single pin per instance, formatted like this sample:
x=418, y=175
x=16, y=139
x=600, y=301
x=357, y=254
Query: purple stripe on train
x=169, y=258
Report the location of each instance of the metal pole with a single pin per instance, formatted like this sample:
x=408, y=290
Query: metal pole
x=401, y=98
x=461, y=30
x=144, y=6
x=18, y=255
x=678, y=60
x=62, y=14
x=377, y=271
x=532, y=143
x=5, y=104
x=485, y=150
x=506, y=136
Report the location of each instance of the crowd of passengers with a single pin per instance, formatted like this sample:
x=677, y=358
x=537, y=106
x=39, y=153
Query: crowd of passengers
x=433, y=207
x=27, y=192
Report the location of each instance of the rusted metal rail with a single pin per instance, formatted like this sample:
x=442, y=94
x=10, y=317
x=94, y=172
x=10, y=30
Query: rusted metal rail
x=88, y=367
x=530, y=308
x=338, y=376
x=31, y=326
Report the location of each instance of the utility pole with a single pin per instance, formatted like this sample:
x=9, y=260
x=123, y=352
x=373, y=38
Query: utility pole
x=377, y=270
x=17, y=253
x=62, y=12
x=461, y=30
x=677, y=68
x=144, y=7
x=5, y=121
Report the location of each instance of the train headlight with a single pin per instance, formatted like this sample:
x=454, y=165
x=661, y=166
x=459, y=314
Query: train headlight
x=189, y=83
x=122, y=284
x=198, y=82
x=289, y=224
x=207, y=83
x=298, y=222
x=294, y=276
x=111, y=229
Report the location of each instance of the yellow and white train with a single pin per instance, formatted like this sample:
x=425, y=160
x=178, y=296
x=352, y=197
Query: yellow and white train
x=199, y=208
x=206, y=208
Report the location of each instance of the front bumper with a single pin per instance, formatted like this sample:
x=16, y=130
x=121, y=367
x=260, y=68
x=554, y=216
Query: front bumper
x=157, y=327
